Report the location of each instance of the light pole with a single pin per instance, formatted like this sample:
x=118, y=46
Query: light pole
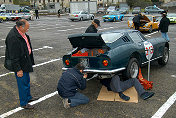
x=88, y=7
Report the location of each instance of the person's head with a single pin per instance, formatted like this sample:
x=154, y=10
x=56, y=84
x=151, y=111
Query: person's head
x=80, y=67
x=23, y=25
x=96, y=23
x=164, y=14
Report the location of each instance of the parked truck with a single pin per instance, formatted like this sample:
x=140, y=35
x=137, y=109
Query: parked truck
x=90, y=6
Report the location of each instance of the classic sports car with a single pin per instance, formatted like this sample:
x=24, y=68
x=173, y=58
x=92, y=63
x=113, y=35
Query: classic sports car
x=114, y=52
x=172, y=18
x=113, y=16
x=148, y=23
x=81, y=15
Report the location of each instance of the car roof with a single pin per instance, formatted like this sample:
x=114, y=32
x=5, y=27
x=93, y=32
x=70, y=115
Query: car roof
x=121, y=31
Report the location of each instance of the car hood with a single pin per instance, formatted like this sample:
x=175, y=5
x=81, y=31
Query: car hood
x=87, y=40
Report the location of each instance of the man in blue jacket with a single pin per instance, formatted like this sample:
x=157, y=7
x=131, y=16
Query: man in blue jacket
x=68, y=85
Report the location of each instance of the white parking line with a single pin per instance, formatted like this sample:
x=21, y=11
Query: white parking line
x=3, y=39
x=32, y=103
x=106, y=28
x=71, y=29
x=161, y=111
x=44, y=47
x=53, y=60
x=148, y=35
x=2, y=46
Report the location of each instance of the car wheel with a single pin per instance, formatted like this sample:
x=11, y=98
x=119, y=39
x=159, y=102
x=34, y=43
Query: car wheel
x=114, y=20
x=81, y=19
x=121, y=18
x=72, y=20
x=163, y=61
x=132, y=69
x=1, y=20
x=104, y=20
x=92, y=18
x=150, y=29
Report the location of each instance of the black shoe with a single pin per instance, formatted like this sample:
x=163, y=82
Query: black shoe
x=147, y=95
x=33, y=99
x=124, y=97
x=28, y=106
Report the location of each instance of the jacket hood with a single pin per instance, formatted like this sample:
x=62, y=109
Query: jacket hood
x=86, y=40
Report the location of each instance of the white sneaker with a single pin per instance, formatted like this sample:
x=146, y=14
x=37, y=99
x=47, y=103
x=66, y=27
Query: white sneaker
x=66, y=104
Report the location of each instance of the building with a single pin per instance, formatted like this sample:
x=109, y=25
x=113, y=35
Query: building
x=6, y=2
x=41, y=4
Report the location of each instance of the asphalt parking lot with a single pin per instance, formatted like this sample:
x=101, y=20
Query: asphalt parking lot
x=49, y=40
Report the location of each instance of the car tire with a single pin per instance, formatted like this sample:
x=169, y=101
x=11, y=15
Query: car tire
x=150, y=29
x=163, y=61
x=81, y=19
x=121, y=19
x=72, y=20
x=114, y=19
x=104, y=20
x=132, y=69
x=1, y=20
x=92, y=18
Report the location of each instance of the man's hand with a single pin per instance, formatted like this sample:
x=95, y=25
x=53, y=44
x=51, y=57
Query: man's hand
x=20, y=73
x=85, y=75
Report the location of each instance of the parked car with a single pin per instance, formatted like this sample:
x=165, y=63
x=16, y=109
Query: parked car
x=124, y=10
x=153, y=9
x=113, y=52
x=172, y=17
x=148, y=23
x=113, y=16
x=112, y=8
x=2, y=18
x=26, y=16
x=136, y=10
x=101, y=10
x=81, y=15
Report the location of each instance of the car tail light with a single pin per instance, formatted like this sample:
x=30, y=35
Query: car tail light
x=67, y=62
x=76, y=15
x=105, y=62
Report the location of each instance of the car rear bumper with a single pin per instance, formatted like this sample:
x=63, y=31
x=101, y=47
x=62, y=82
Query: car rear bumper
x=101, y=71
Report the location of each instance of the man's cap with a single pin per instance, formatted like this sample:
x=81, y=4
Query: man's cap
x=97, y=22
x=164, y=12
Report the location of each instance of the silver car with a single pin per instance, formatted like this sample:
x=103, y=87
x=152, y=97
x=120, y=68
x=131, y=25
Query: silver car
x=81, y=15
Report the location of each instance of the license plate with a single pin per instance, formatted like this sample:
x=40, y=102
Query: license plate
x=85, y=62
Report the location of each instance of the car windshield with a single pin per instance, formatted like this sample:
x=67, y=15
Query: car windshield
x=171, y=15
x=113, y=13
x=76, y=12
x=111, y=37
x=111, y=8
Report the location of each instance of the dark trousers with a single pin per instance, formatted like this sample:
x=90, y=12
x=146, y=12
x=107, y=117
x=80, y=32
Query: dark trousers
x=37, y=16
x=78, y=99
x=120, y=86
x=136, y=25
x=24, y=88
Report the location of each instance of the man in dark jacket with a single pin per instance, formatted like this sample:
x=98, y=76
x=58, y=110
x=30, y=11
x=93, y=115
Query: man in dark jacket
x=19, y=59
x=164, y=25
x=116, y=85
x=93, y=27
x=136, y=21
x=36, y=13
x=70, y=81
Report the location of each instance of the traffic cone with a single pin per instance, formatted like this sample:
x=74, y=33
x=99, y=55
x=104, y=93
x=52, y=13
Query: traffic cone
x=148, y=85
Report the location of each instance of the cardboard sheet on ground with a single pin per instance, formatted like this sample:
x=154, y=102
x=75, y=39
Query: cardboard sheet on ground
x=106, y=95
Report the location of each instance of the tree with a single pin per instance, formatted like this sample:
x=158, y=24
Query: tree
x=21, y=2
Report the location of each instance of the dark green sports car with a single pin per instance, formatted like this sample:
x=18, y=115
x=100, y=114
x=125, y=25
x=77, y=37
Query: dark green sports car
x=114, y=52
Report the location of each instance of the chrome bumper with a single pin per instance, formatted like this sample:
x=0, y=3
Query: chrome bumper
x=101, y=71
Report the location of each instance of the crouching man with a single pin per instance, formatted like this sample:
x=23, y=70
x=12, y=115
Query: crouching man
x=70, y=81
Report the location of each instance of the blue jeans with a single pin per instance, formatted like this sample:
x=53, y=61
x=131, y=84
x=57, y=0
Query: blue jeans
x=165, y=36
x=78, y=99
x=24, y=88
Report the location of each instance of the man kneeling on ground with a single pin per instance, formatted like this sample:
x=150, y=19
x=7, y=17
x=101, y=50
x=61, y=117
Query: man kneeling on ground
x=70, y=81
x=118, y=86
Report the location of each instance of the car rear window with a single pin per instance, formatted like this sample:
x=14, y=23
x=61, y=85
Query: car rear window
x=111, y=37
x=76, y=12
